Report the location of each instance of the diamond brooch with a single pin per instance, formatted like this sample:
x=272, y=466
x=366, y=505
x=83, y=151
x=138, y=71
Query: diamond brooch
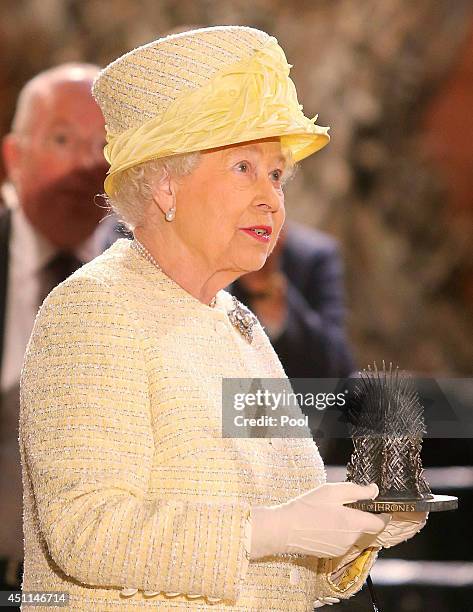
x=243, y=319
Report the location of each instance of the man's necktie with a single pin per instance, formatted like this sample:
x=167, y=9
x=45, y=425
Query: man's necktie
x=57, y=269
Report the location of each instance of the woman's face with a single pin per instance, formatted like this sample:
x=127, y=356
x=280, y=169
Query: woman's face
x=230, y=209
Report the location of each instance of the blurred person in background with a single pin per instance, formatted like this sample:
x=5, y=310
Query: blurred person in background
x=48, y=227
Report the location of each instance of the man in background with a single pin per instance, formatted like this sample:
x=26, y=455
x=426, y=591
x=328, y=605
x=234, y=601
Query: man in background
x=48, y=227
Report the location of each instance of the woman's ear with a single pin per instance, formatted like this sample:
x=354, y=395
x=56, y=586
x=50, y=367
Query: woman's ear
x=164, y=193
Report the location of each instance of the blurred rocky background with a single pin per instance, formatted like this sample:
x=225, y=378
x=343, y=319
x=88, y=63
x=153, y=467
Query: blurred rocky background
x=394, y=80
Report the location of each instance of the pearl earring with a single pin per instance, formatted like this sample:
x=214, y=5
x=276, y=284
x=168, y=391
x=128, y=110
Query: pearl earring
x=170, y=214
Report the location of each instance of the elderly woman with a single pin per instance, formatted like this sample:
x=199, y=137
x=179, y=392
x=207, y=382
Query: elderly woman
x=133, y=499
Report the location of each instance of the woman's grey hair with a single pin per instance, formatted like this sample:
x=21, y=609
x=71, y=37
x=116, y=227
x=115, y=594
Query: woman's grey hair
x=134, y=187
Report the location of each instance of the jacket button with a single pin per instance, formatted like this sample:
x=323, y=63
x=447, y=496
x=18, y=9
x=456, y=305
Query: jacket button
x=294, y=576
x=277, y=443
x=126, y=592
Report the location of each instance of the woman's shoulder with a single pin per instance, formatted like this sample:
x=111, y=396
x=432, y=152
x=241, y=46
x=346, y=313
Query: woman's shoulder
x=89, y=307
x=102, y=274
x=121, y=281
x=99, y=288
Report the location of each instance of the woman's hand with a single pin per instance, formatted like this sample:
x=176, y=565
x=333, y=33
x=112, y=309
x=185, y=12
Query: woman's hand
x=325, y=601
x=401, y=527
x=316, y=523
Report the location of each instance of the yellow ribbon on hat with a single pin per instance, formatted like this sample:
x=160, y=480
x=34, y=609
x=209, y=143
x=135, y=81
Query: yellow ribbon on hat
x=251, y=99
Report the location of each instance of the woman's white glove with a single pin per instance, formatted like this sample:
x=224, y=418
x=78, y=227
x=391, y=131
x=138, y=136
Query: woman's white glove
x=315, y=523
x=325, y=601
x=401, y=527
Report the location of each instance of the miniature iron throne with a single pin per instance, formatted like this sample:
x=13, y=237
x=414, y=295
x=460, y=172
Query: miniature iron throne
x=387, y=424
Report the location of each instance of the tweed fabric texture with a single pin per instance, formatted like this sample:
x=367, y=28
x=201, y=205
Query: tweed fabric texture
x=127, y=480
x=142, y=83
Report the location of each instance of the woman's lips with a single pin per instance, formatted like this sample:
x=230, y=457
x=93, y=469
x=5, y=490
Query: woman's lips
x=262, y=233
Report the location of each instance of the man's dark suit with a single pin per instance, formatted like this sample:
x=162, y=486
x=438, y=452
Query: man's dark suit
x=9, y=400
x=313, y=343
x=5, y=227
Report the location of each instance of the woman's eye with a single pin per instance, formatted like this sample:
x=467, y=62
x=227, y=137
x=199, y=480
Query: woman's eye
x=243, y=166
x=276, y=175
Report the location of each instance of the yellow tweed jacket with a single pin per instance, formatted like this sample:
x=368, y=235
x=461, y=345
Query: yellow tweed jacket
x=127, y=479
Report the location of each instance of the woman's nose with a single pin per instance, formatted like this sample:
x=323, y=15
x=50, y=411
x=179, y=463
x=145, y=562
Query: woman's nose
x=269, y=197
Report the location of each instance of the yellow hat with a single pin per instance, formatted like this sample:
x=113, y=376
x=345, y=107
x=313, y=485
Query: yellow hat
x=199, y=90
